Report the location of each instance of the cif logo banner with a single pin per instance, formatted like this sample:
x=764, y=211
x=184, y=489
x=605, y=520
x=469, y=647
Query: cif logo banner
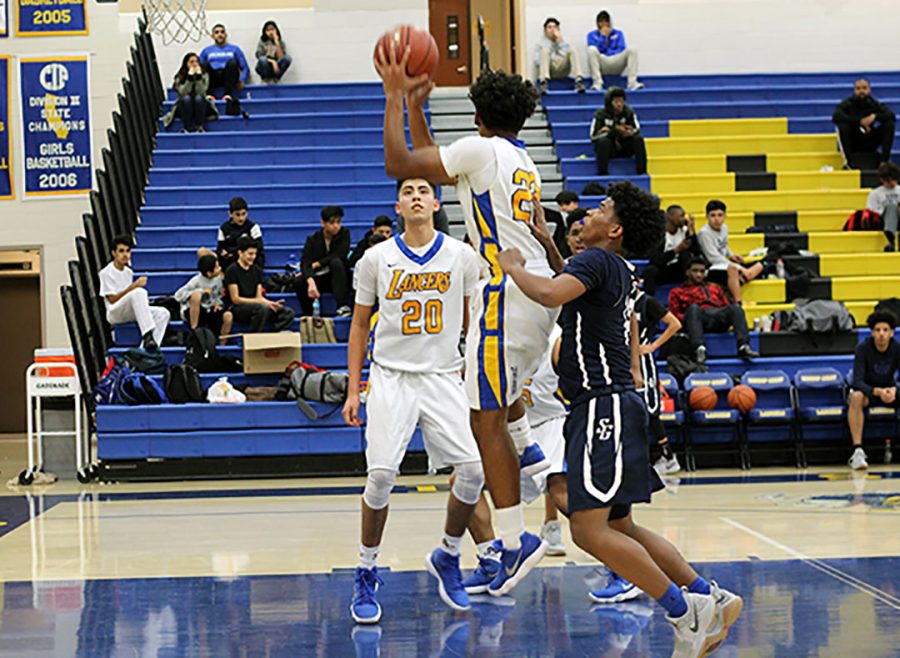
x=56, y=125
x=50, y=18
x=6, y=177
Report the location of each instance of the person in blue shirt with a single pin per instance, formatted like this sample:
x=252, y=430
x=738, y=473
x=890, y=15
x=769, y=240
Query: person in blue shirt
x=607, y=431
x=608, y=54
x=225, y=63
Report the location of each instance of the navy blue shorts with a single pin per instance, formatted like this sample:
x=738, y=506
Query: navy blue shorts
x=607, y=454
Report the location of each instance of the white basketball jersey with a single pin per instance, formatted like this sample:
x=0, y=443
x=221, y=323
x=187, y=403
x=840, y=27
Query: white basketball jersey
x=420, y=296
x=543, y=399
x=497, y=186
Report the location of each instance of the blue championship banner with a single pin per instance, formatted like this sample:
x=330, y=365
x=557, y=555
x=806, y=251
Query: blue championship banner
x=56, y=125
x=51, y=18
x=6, y=176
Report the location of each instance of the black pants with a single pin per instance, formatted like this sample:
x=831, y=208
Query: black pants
x=210, y=319
x=624, y=147
x=699, y=320
x=659, y=273
x=226, y=77
x=256, y=315
x=336, y=281
x=853, y=140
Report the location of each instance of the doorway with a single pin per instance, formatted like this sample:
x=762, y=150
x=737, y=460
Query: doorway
x=20, y=331
x=448, y=22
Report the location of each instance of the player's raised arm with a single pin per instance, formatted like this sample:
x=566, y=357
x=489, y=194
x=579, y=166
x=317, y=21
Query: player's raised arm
x=399, y=161
x=546, y=292
x=419, y=132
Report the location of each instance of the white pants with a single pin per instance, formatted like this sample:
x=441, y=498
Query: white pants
x=625, y=62
x=549, y=436
x=135, y=307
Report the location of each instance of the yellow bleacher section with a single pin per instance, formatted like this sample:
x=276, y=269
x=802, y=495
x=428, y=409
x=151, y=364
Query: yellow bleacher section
x=690, y=167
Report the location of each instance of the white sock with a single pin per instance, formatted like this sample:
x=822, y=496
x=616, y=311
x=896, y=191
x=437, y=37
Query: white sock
x=486, y=550
x=368, y=555
x=511, y=523
x=451, y=544
x=520, y=431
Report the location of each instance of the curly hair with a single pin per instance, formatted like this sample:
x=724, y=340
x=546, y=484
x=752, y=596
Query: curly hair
x=640, y=216
x=503, y=101
x=877, y=317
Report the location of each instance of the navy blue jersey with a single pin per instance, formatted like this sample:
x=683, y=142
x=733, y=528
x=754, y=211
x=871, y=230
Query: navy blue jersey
x=595, y=356
x=649, y=312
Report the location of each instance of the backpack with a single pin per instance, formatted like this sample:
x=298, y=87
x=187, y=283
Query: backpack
x=819, y=316
x=279, y=282
x=137, y=388
x=864, y=220
x=891, y=305
x=233, y=108
x=107, y=389
x=182, y=384
x=201, y=353
x=304, y=382
x=170, y=304
x=149, y=363
x=680, y=366
x=316, y=330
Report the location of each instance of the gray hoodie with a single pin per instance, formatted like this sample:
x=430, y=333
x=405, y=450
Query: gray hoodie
x=200, y=282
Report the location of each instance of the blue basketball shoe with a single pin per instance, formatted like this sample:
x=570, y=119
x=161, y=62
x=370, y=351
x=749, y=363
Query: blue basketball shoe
x=445, y=568
x=364, y=608
x=533, y=460
x=617, y=590
x=515, y=565
x=487, y=570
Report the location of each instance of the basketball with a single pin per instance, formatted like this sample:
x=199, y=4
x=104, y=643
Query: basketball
x=742, y=398
x=423, y=56
x=703, y=398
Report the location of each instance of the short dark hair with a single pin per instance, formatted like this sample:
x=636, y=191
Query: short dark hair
x=400, y=182
x=715, y=204
x=376, y=238
x=237, y=203
x=673, y=208
x=122, y=239
x=206, y=263
x=567, y=196
x=877, y=317
x=888, y=171
x=696, y=260
x=217, y=25
x=575, y=216
x=331, y=211
x=603, y=16
x=550, y=20
x=245, y=242
x=383, y=220
x=640, y=217
x=615, y=92
x=503, y=101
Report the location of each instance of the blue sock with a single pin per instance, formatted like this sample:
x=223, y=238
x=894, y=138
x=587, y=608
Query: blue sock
x=699, y=586
x=673, y=601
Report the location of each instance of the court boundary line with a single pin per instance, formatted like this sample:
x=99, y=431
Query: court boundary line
x=823, y=567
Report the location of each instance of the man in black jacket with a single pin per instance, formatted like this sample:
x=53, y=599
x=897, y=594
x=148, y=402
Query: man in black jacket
x=875, y=367
x=382, y=226
x=323, y=265
x=864, y=124
x=669, y=264
x=615, y=132
x=230, y=232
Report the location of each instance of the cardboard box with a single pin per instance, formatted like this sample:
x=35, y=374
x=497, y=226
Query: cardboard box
x=270, y=353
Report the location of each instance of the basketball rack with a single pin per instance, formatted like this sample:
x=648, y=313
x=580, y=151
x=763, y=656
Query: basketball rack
x=176, y=21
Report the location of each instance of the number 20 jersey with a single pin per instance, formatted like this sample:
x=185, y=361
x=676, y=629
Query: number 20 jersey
x=420, y=296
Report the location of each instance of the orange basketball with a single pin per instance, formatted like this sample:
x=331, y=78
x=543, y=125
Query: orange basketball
x=703, y=398
x=742, y=398
x=423, y=56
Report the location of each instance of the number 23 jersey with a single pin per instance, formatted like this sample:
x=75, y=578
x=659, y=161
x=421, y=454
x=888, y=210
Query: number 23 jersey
x=420, y=294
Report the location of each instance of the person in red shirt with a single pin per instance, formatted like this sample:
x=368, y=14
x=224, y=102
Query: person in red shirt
x=702, y=306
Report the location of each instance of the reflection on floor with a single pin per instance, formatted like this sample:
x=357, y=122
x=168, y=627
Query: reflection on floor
x=794, y=609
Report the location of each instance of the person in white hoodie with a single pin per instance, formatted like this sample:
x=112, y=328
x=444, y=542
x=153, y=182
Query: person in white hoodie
x=202, y=299
x=555, y=59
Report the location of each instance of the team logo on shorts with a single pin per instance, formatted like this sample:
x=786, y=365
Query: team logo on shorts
x=604, y=429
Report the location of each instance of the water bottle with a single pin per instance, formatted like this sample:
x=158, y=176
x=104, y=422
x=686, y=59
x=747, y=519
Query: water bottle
x=779, y=268
x=888, y=457
x=317, y=308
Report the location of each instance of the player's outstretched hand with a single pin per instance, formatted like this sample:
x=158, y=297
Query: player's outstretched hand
x=351, y=410
x=538, y=224
x=393, y=72
x=509, y=259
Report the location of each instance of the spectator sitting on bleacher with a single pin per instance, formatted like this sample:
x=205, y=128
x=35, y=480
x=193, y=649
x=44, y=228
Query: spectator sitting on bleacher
x=702, y=307
x=856, y=118
x=126, y=298
x=669, y=264
x=607, y=54
x=238, y=226
x=884, y=200
x=225, y=63
x=382, y=226
x=616, y=133
x=323, y=265
x=272, y=59
x=202, y=301
x=567, y=200
x=875, y=367
x=248, y=297
x=191, y=85
x=726, y=268
x=554, y=59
